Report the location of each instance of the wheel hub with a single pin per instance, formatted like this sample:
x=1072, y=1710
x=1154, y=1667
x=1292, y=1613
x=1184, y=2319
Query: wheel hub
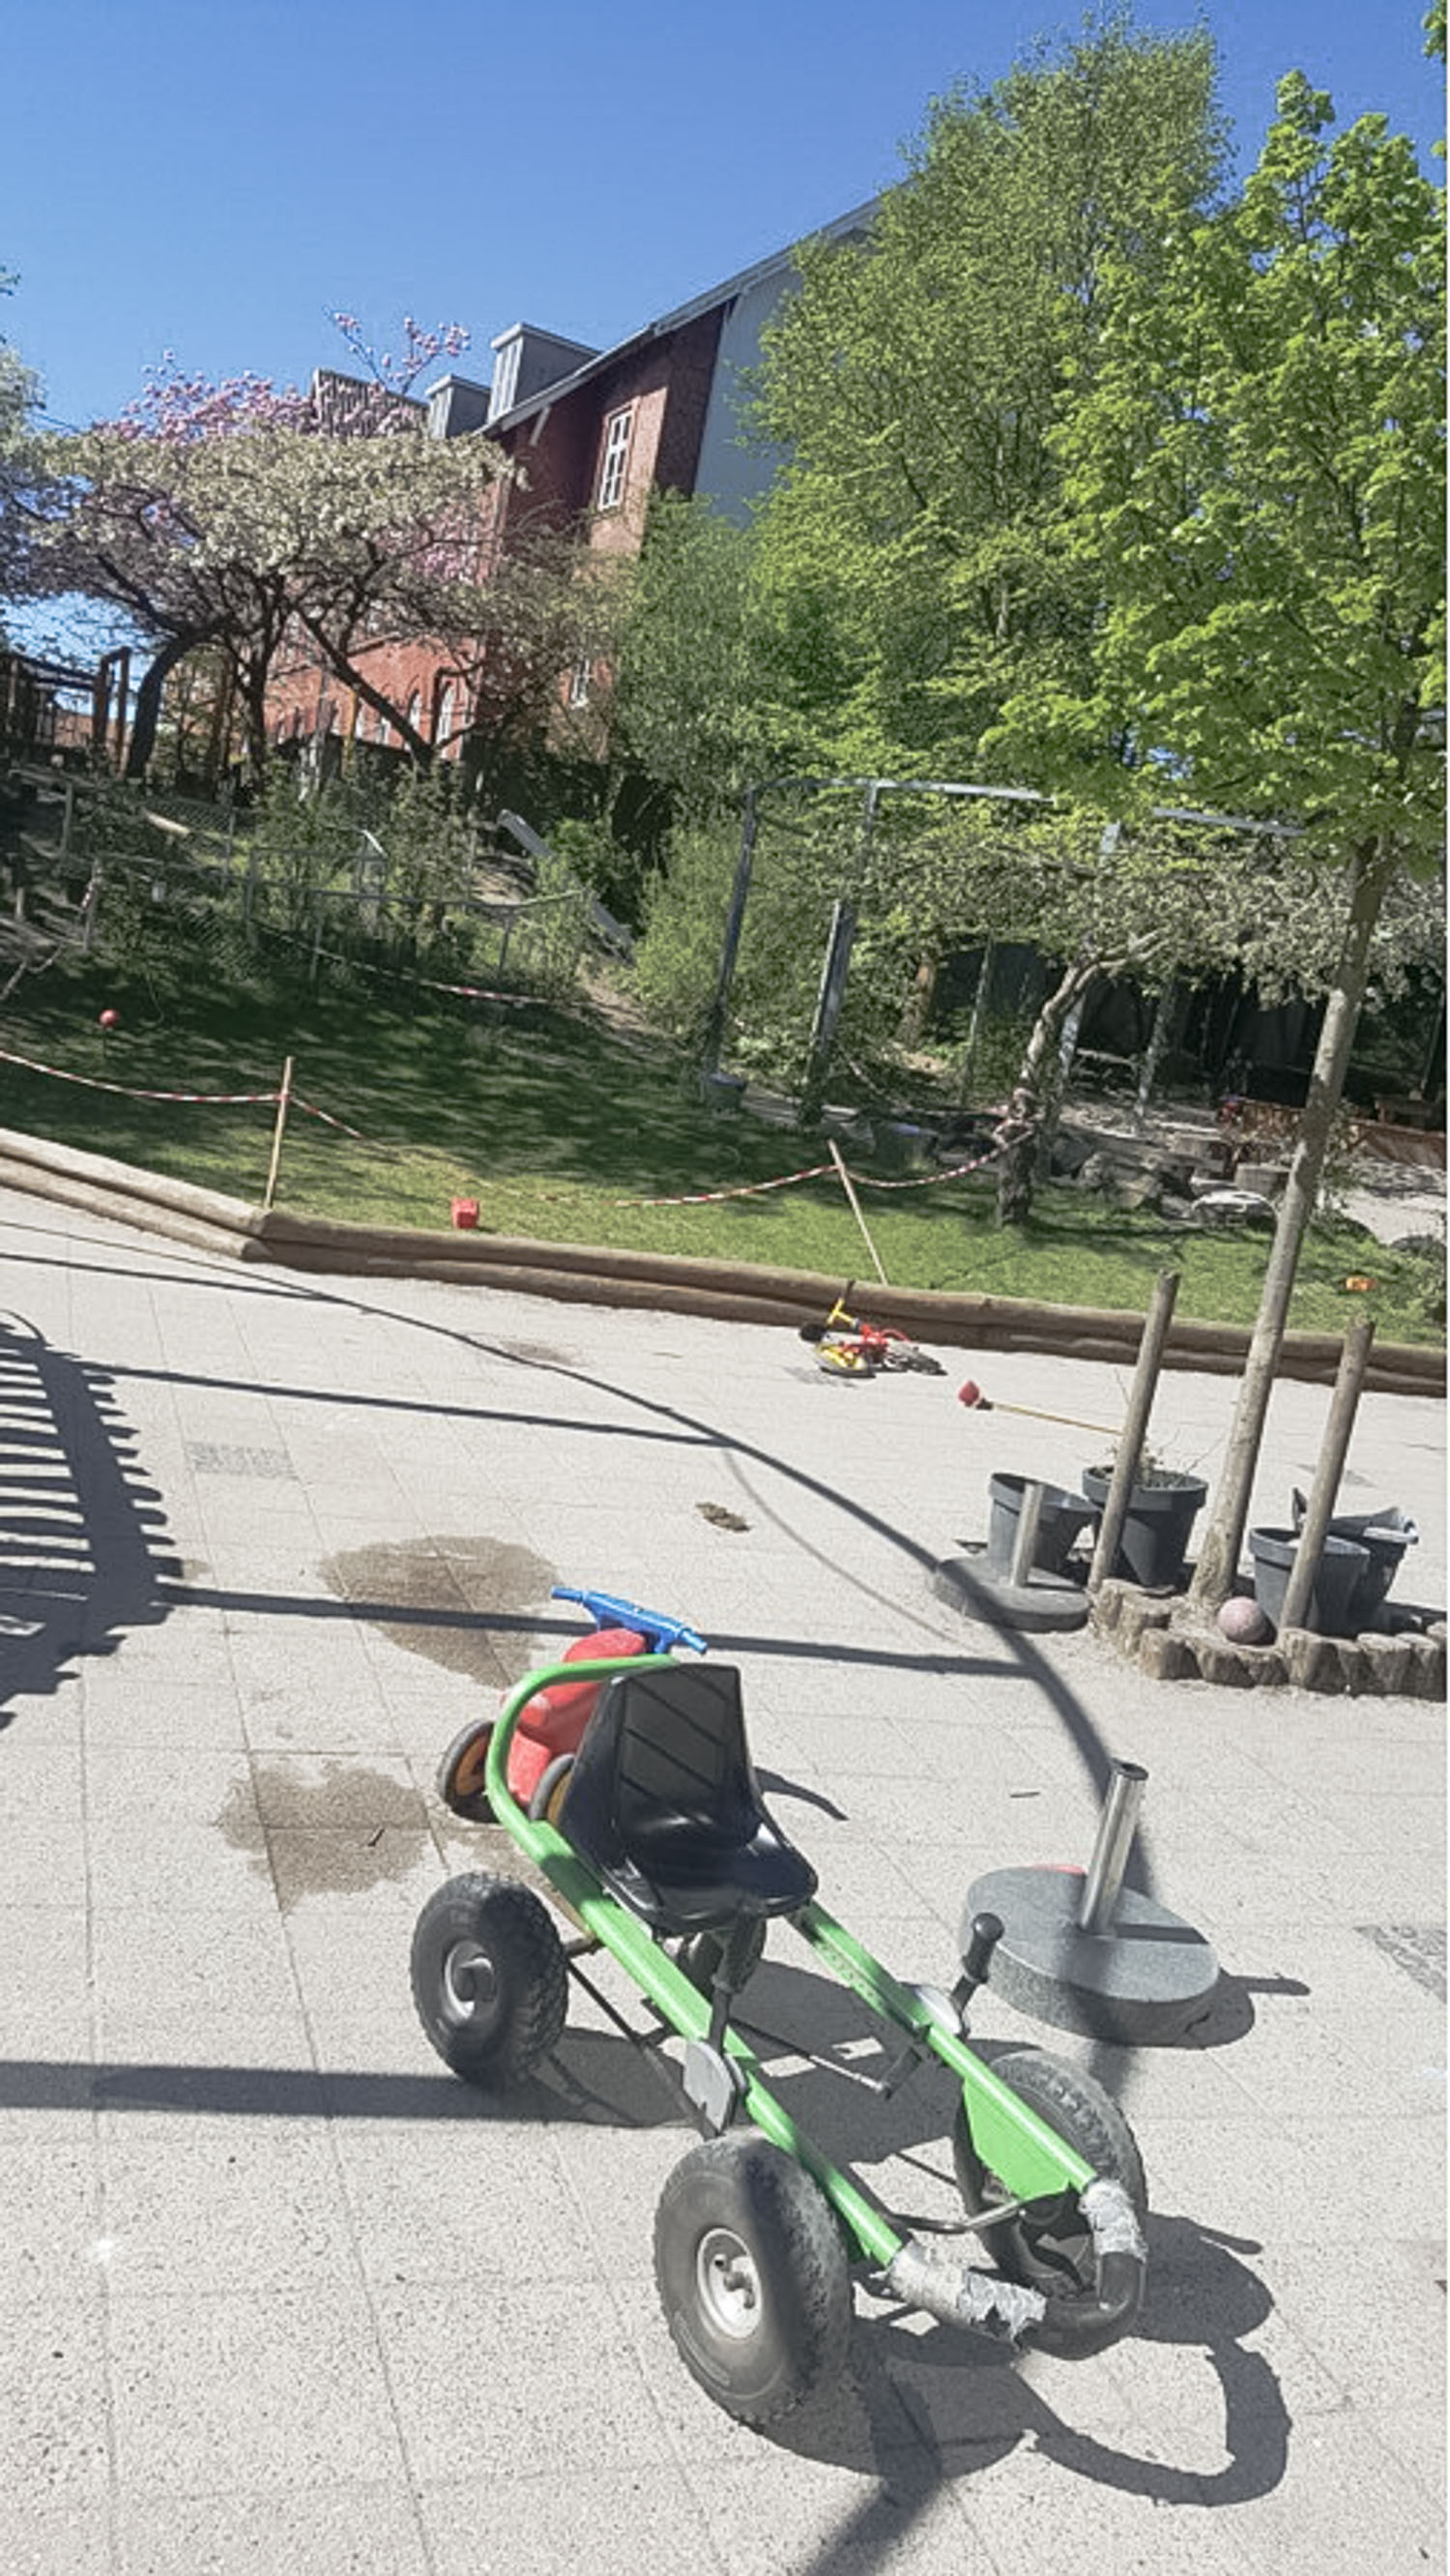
x=728, y=2282
x=470, y=1982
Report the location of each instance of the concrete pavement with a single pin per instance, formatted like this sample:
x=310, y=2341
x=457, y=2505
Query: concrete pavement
x=278, y=2290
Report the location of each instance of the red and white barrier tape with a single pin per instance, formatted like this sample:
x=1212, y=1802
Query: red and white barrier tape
x=815, y=1171
x=396, y=975
x=325, y=1115
x=475, y=992
x=92, y=1082
x=201, y=1099
x=744, y=1190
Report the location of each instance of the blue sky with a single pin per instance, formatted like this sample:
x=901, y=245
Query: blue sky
x=216, y=179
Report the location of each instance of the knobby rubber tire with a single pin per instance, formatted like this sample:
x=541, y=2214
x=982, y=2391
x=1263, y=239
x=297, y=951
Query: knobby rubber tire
x=791, y=2338
x=489, y=1978
x=1049, y=2246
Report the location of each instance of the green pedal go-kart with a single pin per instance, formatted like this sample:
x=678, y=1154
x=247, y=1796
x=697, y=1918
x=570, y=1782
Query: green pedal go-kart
x=652, y=1838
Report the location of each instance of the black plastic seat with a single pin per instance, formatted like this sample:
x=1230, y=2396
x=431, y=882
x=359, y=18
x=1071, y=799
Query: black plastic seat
x=662, y=1803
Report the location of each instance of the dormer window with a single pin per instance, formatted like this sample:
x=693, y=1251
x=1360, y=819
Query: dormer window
x=616, y=457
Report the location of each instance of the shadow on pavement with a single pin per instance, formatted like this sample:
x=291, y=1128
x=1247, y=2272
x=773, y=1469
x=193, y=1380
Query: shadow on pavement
x=921, y=2408
x=81, y=1537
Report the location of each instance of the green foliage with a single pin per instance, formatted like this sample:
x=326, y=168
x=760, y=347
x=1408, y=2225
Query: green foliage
x=609, y=867
x=690, y=703
x=917, y=376
x=678, y=959
x=1254, y=489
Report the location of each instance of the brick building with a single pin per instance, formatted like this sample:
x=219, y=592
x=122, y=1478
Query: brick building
x=591, y=433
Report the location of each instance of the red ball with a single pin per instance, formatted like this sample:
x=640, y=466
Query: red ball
x=110, y=1019
x=971, y=1393
x=1243, y=1621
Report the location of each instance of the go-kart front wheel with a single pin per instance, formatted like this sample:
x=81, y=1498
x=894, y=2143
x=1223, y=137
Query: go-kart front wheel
x=489, y=1978
x=1048, y=2246
x=751, y=2270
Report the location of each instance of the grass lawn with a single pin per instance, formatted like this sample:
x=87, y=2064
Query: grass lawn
x=551, y=1121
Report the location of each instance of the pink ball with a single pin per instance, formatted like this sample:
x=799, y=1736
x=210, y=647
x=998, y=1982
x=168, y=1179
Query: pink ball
x=110, y=1019
x=1243, y=1621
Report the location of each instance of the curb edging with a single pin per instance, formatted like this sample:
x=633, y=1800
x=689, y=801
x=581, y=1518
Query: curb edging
x=681, y=1283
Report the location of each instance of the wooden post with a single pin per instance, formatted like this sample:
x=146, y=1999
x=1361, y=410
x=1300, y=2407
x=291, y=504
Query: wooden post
x=1343, y=1405
x=1130, y=1445
x=856, y=1210
x=283, y=1099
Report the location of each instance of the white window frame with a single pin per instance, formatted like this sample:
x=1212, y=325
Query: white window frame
x=618, y=431
x=581, y=680
x=443, y=721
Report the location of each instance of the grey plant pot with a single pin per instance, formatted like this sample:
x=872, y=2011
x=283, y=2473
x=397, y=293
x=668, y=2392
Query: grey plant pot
x=1154, y=1544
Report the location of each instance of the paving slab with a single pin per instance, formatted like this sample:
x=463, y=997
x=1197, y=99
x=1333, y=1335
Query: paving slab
x=275, y=2289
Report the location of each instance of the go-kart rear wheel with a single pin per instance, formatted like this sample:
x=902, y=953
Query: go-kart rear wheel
x=1048, y=2245
x=460, y=1774
x=489, y=1978
x=751, y=2270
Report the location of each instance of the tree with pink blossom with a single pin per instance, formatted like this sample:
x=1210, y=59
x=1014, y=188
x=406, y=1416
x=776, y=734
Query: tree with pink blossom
x=266, y=523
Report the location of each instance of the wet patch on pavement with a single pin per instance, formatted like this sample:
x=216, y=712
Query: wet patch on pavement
x=334, y=1828
x=465, y=1583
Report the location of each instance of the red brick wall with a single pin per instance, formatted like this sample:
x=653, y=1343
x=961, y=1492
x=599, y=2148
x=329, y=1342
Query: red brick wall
x=557, y=453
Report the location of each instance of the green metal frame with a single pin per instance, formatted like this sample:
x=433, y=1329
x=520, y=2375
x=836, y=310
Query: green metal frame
x=1028, y=2157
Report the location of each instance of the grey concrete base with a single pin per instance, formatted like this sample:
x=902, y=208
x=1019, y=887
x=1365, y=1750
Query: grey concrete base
x=1144, y=1983
x=982, y=1591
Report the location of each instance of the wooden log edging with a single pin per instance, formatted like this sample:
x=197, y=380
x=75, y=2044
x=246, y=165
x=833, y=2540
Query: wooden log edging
x=680, y=1283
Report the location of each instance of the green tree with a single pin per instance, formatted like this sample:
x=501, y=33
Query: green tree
x=917, y=377
x=689, y=701
x=1254, y=491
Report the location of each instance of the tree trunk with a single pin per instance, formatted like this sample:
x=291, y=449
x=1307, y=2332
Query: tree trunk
x=918, y=1003
x=974, y=1025
x=1154, y=1050
x=1218, y=1561
x=149, y=698
x=254, y=705
x=1017, y=1171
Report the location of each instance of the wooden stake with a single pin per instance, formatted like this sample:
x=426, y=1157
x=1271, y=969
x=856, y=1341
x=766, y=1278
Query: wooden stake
x=1343, y=1405
x=856, y=1210
x=283, y=1098
x=1135, y=1427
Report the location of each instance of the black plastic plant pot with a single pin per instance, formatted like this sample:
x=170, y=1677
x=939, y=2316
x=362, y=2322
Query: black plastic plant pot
x=1154, y=1543
x=1334, y=1599
x=1384, y=1536
x=1064, y=1517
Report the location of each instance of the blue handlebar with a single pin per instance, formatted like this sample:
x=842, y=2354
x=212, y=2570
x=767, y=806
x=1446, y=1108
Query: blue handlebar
x=607, y=1610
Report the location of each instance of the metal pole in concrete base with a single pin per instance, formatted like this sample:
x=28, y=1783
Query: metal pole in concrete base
x=1084, y=1952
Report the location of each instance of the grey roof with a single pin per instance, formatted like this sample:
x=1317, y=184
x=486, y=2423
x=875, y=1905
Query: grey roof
x=841, y=228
